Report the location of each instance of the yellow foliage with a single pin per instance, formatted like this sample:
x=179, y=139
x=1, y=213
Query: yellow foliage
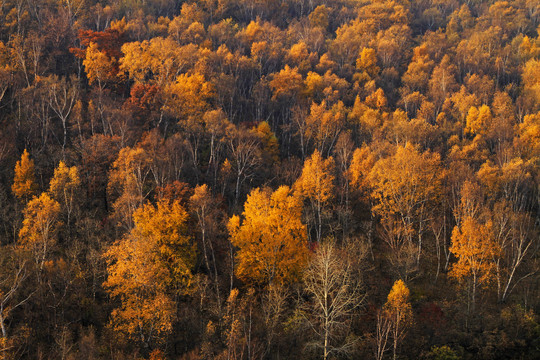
x=529, y=49
x=157, y=60
x=317, y=179
x=166, y=227
x=362, y=162
x=367, y=62
x=402, y=183
x=64, y=183
x=98, y=66
x=127, y=180
x=287, y=84
x=529, y=135
x=531, y=81
x=377, y=99
x=319, y=17
x=323, y=125
x=397, y=304
x=271, y=239
x=298, y=52
x=189, y=96
x=506, y=178
x=474, y=246
x=269, y=142
x=478, y=120
x=253, y=31
x=40, y=226
x=195, y=33
x=314, y=84
x=24, y=184
x=148, y=267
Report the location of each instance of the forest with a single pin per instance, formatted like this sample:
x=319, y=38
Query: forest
x=269, y=179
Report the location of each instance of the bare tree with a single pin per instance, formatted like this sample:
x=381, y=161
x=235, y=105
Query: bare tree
x=10, y=283
x=245, y=153
x=383, y=330
x=63, y=94
x=335, y=293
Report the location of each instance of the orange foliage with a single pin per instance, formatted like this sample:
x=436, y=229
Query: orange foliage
x=24, y=183
x=147, y=268
x=271, y=239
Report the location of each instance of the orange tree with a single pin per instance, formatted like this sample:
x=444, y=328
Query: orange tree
x=475, y=248
x=24, y=183
x=317, y=184
x=271, y=239
x=148, y=269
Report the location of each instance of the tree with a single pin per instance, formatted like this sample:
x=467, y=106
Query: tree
x=63, y=95
x=64, y=186
x=188, y=96
x=271, y=239
x=362, y=162
x=317, y=184
x=442, y=81
x=366, y=64
x=529, y=136
x=406, y=189
x=40, y=227
x=323, y=125
x=128, y=182
x=478, y=120
x=531, y=82
x=157, y=61
x=12, y=276
x=98, y=66
x=148, y=269
x=398, y=310
x=475, y=249
x=299, y=56
x=245, y=156
x=319, y=17
x=24, y=183
x=417, y=75
x=269, y=142
x=216, y=125
x=203, y=205
x=335, y=293
x=287, y=84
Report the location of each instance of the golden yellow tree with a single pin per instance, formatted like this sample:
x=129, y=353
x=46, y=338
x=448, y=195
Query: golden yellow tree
x=271, y=239
x=319, y=17
x=531, y=83
x=398, y=310
x=98, y=65
x=128, y=183
x=478, y=120
x=148, y=269
x=474, y=246
x=24, y=183
x=188, y=96
x=529, y=136
x=366, y=64
x=157, y=61
x=64, y=185
x=287, y=84
x=406, y=187
x=324, y=124
x=269, y=141
x=39, y=227
x=317, y=184
x=362, y=162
